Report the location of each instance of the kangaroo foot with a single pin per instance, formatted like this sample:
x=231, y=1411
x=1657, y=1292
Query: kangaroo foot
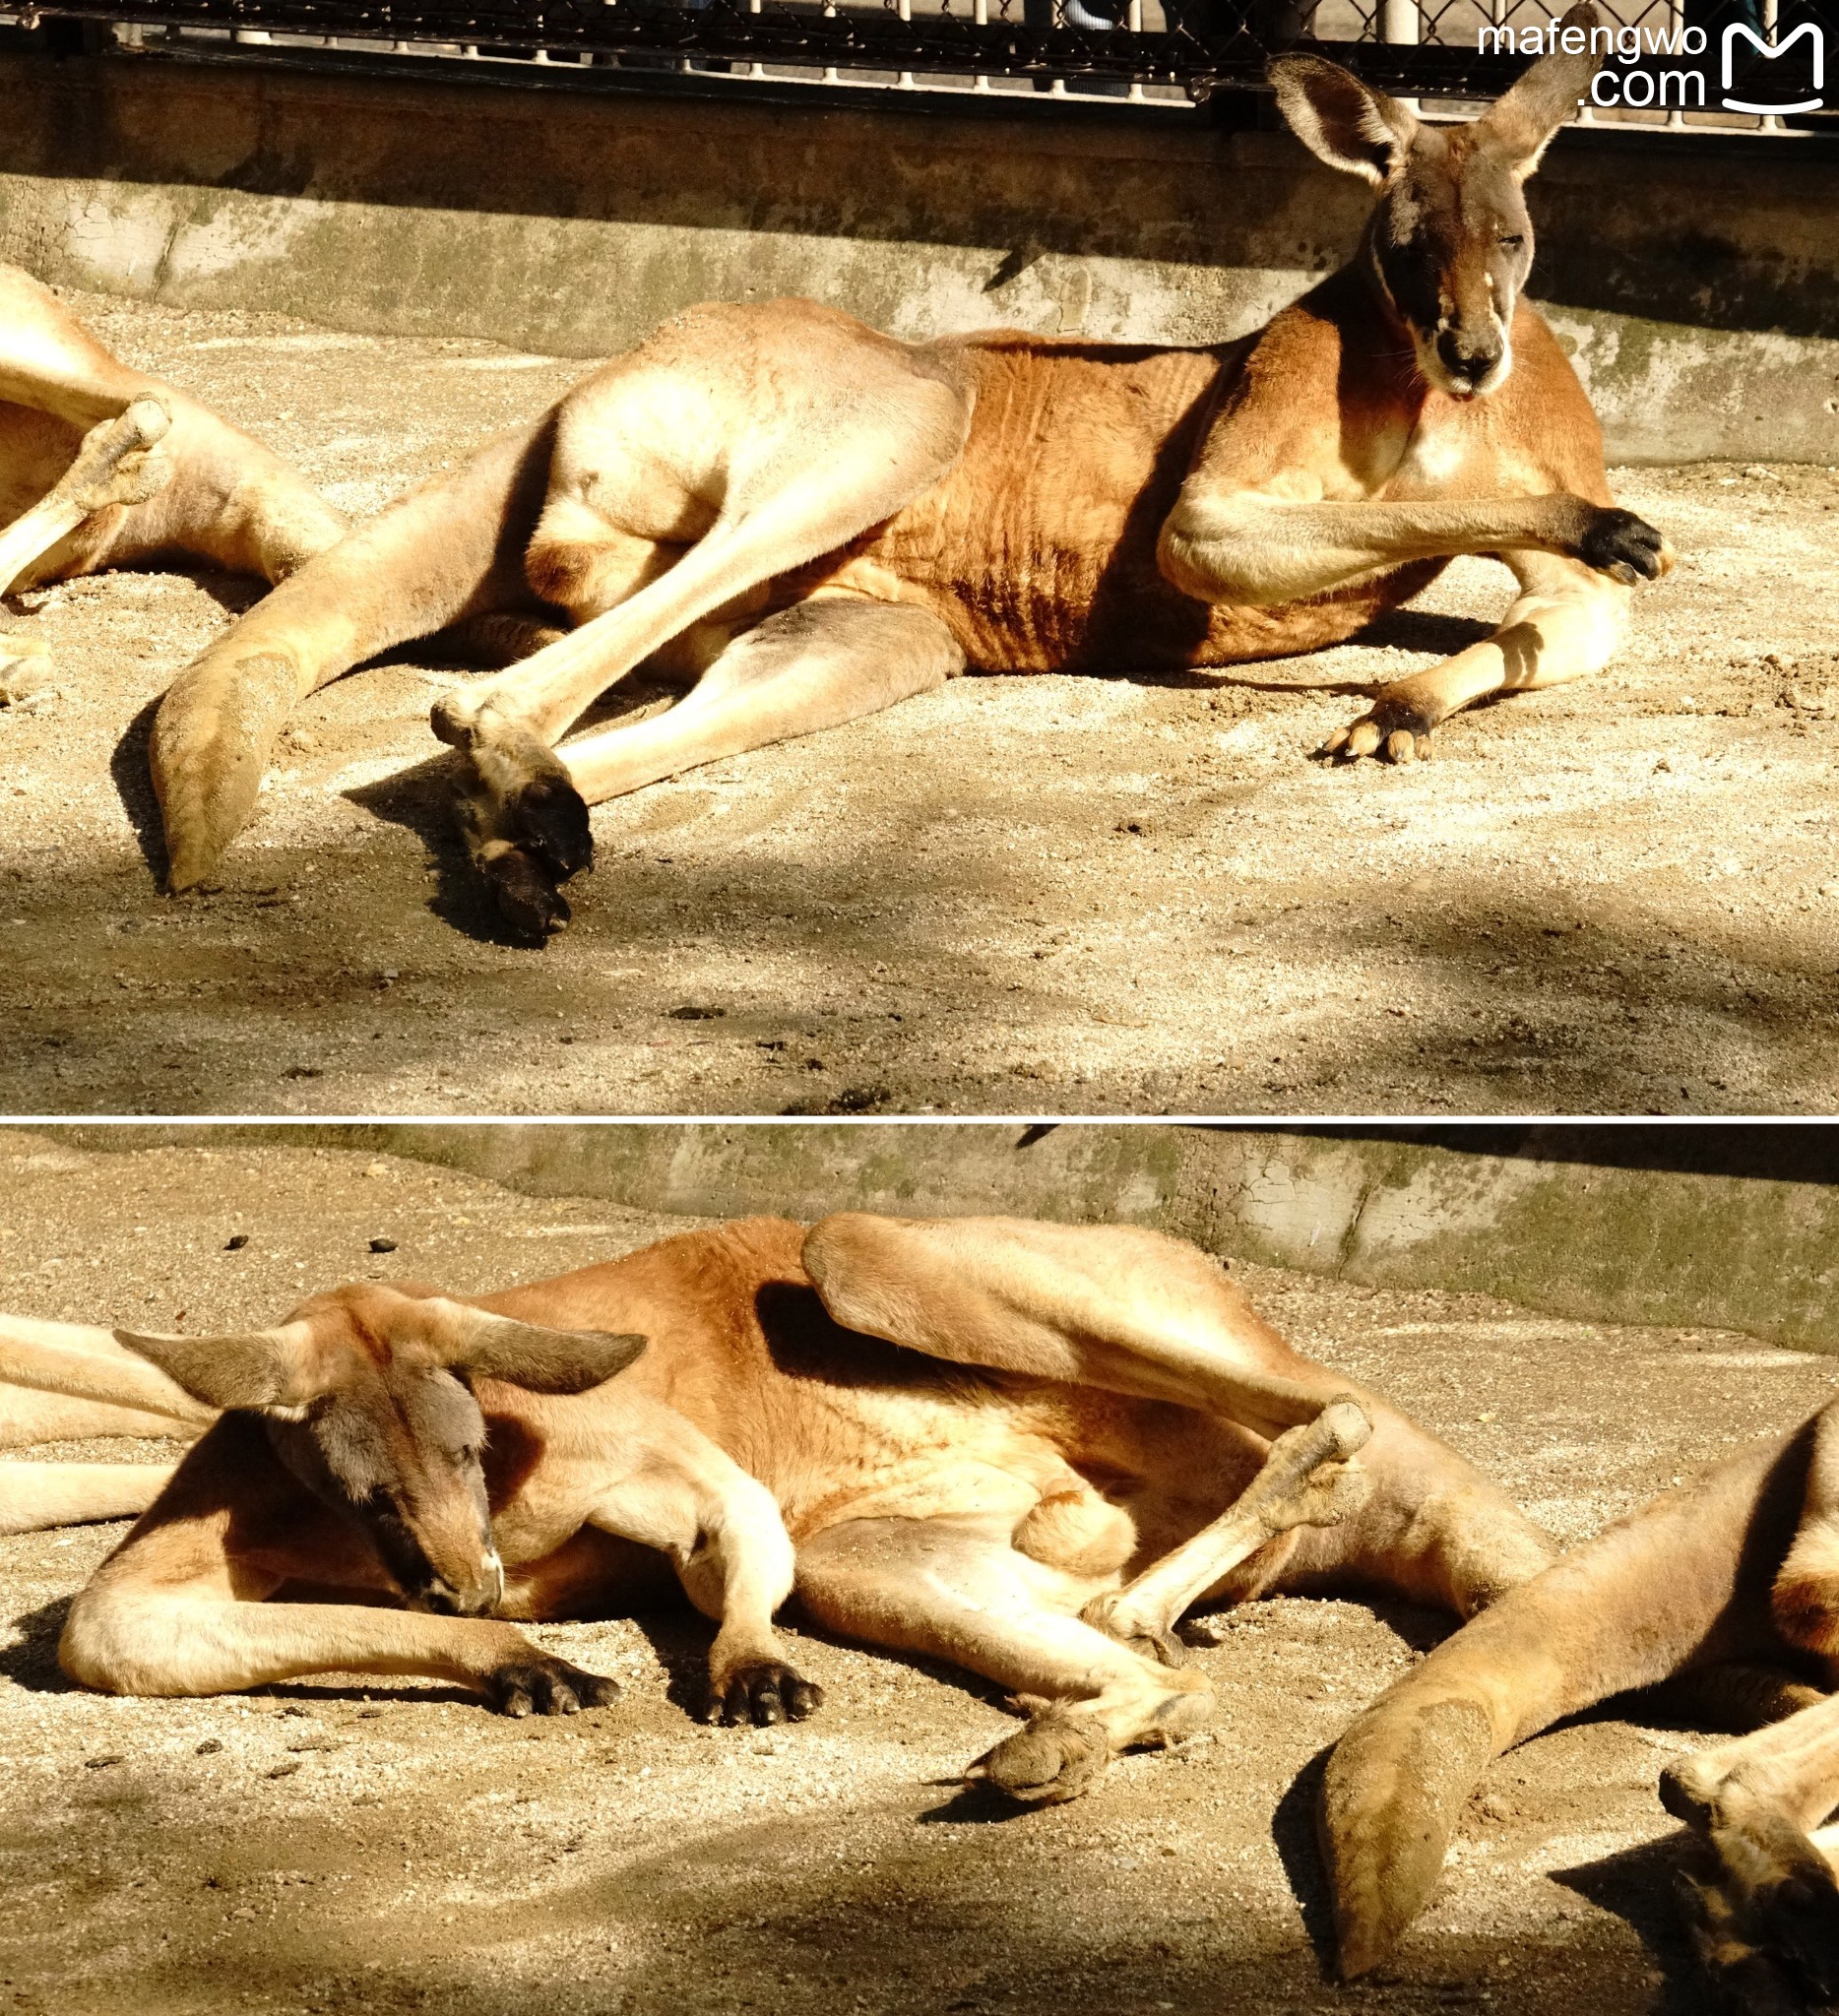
x=1766, y=1923
x=1770, y=1947
x=210, y=744
x=1055, y=1758
x=536, y=1684
x=763, y=1692
x=524, y=821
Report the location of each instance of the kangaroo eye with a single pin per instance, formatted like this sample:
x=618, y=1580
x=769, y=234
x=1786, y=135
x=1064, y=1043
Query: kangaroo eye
x=1511, y=241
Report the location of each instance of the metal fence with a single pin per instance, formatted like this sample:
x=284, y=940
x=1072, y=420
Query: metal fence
x=1442, y=55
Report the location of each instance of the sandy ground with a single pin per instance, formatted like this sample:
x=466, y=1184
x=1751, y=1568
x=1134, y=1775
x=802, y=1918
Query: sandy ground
x=396, y=1849
x=1048, y=893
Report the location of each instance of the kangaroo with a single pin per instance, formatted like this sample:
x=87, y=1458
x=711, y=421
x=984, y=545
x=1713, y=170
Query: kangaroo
x=1023, y=1448
x=1731, y=1581
x=102, y=466
x=814, y=521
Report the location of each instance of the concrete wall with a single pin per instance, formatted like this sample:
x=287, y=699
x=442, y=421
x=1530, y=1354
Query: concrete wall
x=1696, y=284
x=1721, y=1227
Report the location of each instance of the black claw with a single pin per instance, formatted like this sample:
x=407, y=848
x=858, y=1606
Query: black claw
x=766, y=1695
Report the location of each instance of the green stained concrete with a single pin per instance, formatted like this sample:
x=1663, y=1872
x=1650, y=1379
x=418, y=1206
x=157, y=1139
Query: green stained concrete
x=1724, y=1227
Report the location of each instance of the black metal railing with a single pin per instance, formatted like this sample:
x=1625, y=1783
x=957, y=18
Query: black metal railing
x=1173, y=50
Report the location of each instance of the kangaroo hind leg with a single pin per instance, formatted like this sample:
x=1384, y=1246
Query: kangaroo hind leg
x=955, y=1589
x=817, y=664
x=736, y=447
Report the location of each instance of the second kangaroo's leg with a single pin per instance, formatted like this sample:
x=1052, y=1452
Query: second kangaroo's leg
x=955, y=1589
x=812, y=667
x=36, y=1496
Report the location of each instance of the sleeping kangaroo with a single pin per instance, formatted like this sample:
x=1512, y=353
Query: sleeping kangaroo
x=1025, y=1448
x=102, y=466
x=1732, y=1579
x=813, y=521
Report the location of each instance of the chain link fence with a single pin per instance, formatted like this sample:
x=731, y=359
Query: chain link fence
x=1679, y=65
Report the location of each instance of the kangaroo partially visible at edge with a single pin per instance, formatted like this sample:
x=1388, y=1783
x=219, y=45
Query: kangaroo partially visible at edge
x=1733, y=1578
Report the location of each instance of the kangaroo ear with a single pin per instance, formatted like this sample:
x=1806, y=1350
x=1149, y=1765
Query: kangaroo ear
x=1346, y=123
x=528, y=1354
x=1520, y=125
x=267, y=1369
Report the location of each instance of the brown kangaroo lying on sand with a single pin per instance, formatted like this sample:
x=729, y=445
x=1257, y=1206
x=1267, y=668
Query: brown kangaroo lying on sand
x=1025, y=1448
x=102, y=466
x=815, y=521
x=1734, y=1577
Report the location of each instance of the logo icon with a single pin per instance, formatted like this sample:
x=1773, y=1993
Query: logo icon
x=1769, y=54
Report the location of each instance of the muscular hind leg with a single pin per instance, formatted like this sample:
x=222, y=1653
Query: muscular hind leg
x=735, y=446
x=955, y=1589
x=1139, y=1313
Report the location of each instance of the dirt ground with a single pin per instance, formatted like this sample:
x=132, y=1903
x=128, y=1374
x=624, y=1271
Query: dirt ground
x=392, y=1849
x=1016, y=895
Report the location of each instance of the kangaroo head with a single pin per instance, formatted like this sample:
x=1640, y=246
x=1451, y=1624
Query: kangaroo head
x=365, y=1393
x=1449, y=244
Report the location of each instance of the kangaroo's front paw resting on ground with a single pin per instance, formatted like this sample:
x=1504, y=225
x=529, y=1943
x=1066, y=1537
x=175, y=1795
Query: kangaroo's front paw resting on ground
x=540, y=1685
x=1394, y=730
x=763, y=1693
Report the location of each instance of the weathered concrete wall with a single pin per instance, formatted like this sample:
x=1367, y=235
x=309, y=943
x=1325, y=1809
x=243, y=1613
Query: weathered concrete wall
x=1698, y=287
x=1728, y=1227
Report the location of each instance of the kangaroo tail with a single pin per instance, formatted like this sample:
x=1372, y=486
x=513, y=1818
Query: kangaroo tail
x=36, y=1496
x=451, y=549
x=1638, y=1604
x=81, y=1380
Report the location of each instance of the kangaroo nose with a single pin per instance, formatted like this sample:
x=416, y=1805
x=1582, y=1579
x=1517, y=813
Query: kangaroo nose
x=1467, y=359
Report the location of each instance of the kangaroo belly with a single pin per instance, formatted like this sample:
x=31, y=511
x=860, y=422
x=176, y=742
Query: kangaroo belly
x=1038, y=550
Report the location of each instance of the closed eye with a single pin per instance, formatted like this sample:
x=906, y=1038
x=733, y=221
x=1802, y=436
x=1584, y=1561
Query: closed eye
x=1511, y=241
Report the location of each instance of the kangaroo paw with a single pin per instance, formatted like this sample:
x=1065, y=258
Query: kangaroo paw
x=763, y=1693
x=538, y=1685
x=524, y=891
